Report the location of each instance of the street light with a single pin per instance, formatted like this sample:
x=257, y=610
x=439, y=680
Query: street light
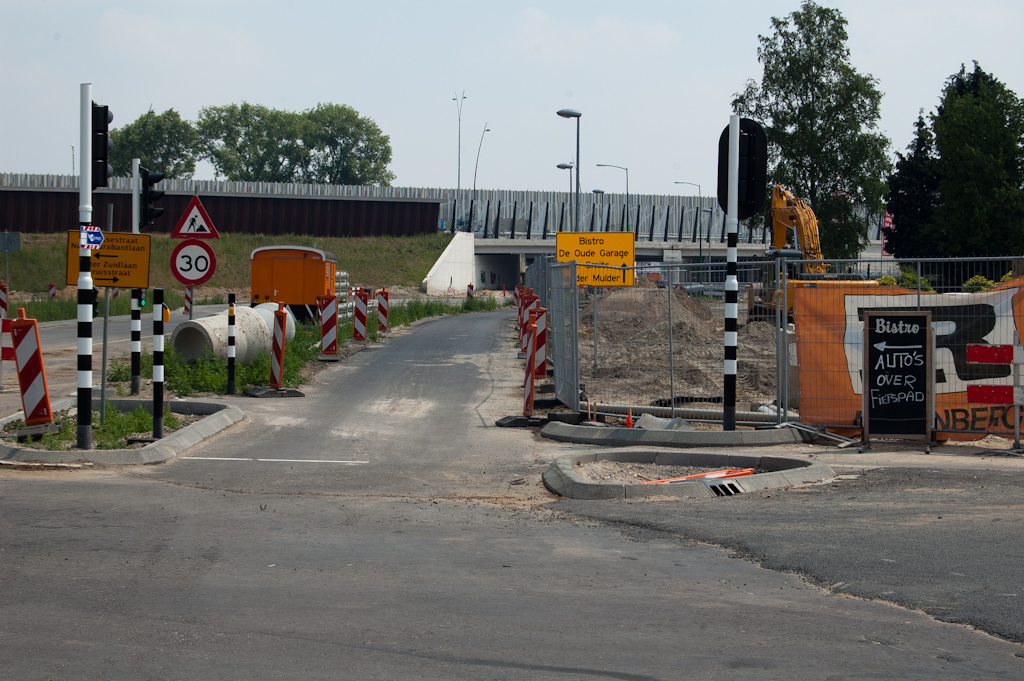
x=458, y=182
x=572, y=113
x=486, y=130
x=609, y=165
x=568, y=166
x=697, y=224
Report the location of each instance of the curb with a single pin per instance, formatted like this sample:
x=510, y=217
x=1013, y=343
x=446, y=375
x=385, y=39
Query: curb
x=561, y=478
x=624, y=437
x=218, y=417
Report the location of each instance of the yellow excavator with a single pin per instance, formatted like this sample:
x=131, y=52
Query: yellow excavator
x=794, y=237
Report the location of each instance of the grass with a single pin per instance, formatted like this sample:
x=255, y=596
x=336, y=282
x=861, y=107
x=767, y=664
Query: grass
x=372, y=261
x=111, y=434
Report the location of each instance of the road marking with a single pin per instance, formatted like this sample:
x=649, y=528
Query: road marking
x=226, y=458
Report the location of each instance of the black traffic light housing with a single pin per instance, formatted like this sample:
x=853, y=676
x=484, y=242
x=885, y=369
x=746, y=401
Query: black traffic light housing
x=147, y=211
x=753, y=183
x=102, y=171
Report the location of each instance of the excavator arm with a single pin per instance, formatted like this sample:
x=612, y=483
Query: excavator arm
x=791, y=213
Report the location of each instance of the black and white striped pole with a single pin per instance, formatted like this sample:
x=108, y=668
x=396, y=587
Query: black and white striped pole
x=84, y=376
x=231, y=344
x=136, y=329
x=158, y=363
x=731, y=285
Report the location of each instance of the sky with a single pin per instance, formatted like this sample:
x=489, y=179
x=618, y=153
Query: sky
x=653, y=79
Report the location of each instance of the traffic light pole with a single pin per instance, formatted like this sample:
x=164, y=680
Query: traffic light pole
x=84, y=382
x=136, y=347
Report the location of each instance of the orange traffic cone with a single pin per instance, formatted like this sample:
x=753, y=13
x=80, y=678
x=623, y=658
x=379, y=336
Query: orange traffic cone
x=629, y=418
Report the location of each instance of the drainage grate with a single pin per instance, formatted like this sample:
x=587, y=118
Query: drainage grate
x=724, y=488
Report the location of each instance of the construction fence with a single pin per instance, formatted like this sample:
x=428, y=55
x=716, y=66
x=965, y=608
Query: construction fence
x=658, y=346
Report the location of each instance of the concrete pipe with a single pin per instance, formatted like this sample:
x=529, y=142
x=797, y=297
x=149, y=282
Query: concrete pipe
x=267, y=310
x=190, y=339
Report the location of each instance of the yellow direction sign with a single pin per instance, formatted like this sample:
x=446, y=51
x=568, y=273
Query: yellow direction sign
x=612, y=249
x=122, y=260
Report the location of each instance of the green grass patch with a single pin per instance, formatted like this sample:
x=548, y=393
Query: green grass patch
x=112, y=433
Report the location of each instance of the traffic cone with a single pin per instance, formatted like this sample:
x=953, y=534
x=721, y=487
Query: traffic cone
x=629, y=418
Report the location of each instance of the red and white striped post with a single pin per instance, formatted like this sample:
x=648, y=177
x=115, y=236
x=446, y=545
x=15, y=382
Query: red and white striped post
x=328, y=325
x=53, y=290
x=6, y=352
x=359, y=318
x=530, y=302
x=383, y=303
x=528, y=384
x=188, y=301
x=469, y=291
x=277, y=348
x=35, y=397
x=540, y=345
x=999, y=394
x=3, y=300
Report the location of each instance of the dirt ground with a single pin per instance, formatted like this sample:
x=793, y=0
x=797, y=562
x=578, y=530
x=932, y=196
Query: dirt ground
x=615, y=472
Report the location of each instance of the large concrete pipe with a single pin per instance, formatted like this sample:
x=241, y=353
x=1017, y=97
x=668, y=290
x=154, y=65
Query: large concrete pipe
x=267, y=311
x=252, y=335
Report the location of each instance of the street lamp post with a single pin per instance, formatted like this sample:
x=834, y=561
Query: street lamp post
x=458, y=182
x=475, y=169
x=697, y=224
x=609, y=165
x=572, y=113
x=568, y=166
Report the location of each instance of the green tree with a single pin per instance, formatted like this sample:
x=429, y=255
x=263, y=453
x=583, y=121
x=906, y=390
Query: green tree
x=163, y=143
x=345, y=148
x=962, y=193
x=252, y=143
x=821, y=119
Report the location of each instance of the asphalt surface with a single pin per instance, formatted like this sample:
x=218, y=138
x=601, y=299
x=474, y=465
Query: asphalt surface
x=383, y=528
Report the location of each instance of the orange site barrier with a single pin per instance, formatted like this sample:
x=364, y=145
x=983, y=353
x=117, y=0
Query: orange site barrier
x=727, y=473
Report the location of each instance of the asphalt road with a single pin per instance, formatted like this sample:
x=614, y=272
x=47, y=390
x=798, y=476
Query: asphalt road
x=383, y=528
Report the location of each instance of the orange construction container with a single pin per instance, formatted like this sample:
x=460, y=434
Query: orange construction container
x=293, y=275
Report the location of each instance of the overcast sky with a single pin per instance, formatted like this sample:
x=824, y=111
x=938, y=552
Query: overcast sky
x=654, y=80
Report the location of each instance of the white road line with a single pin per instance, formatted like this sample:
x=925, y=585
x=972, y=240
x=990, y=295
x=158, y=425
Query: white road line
x=226, y=458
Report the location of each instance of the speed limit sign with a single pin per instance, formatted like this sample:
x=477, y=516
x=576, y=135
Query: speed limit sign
x=193, y=262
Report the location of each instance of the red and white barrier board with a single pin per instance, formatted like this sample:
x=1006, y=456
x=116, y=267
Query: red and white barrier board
x=35, y=397
x=382, y=310
x=359, y=318
x=277, y=348
x=528, y=384
x=540, y=364
x=3, y=301
x=328, y=325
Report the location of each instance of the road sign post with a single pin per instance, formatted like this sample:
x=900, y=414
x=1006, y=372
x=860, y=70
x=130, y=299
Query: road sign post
x=193, y=262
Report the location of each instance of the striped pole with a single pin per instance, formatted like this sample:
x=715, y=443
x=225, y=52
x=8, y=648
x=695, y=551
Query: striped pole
x=383, y=302
x=136, y=340
x=6, y=353
x=231, y=344
x=84, y=376
x=188, y=301
x=158, y=363
x=277, y=348
x=328, y=325
x=35, y=397
x=731, y=285
x=53, y=290
x=3, y=300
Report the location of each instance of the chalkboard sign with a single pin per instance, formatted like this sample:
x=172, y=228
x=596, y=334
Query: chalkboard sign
x=898, y=375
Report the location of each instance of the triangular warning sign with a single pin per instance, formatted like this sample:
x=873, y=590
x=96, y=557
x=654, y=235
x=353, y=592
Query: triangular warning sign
x=195, y=223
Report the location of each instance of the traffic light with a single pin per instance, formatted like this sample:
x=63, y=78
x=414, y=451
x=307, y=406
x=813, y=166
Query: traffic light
x=753, y=176
x=148, y=212
x=101, y=145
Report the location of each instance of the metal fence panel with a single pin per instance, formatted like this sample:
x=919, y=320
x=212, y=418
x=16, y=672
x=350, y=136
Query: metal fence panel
x=563, y=330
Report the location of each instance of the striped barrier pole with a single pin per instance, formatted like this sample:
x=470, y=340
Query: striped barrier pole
x=35, y=397
x=53, y=290
x=136, y=343
x=158, y=363
x=277, y=348
x=530, y=303
x=540, y=364
x=359, y=319
x=3, y=300
x=382, y=310
x=469, y=292
x=328, y=325
x=731, y=281
x=528, y=384
x=188, y=301
x=231, y=344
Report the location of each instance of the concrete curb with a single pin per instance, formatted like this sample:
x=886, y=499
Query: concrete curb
x=218, y=417
x=624, y=437
x=562, y=479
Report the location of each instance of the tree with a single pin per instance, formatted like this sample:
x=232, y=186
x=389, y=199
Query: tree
x=960, y=192
x=252, y=143
x=821, y=119
x=345, y=148
x=164, y=143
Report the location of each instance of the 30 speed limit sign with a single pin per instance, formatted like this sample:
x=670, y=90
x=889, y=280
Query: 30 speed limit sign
x=193, y=262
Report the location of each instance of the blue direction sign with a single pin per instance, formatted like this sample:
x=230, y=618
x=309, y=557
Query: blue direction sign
x=93, y=237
